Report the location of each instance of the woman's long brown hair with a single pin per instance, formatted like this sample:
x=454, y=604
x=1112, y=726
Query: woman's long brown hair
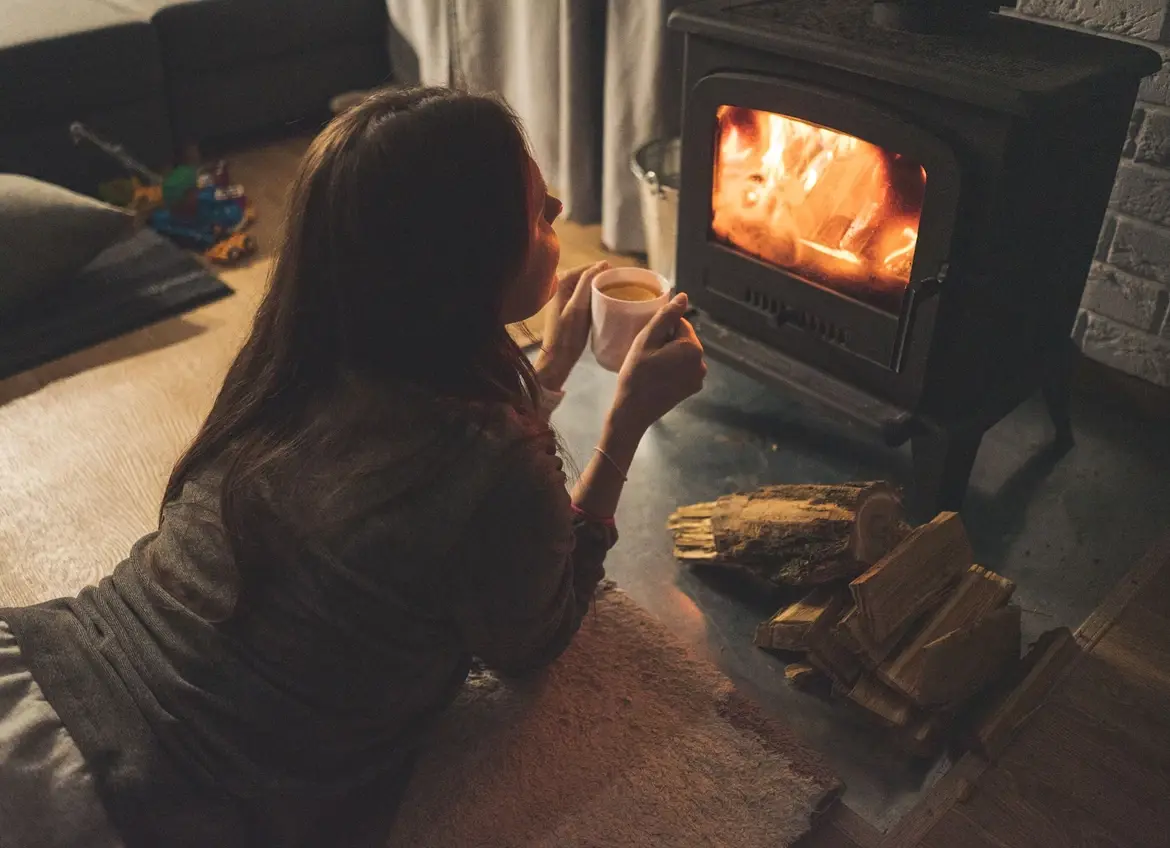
x=406, y=222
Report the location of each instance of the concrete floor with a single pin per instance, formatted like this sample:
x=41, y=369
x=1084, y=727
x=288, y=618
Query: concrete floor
x=1064, y=528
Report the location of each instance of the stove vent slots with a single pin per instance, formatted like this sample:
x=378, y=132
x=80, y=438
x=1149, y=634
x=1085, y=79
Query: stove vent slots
x=783, y=313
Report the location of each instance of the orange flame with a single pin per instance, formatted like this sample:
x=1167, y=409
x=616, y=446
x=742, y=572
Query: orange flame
x=832, y=207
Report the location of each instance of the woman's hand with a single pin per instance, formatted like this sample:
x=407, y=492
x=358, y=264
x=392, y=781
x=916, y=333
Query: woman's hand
x=663, y=368
x=567, y=327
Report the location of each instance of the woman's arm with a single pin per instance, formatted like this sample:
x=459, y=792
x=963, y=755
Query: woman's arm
x=531, y=564
x=597, y=492
x=536, y=556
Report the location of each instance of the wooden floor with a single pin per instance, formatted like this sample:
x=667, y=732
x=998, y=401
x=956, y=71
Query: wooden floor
x=1091, y=768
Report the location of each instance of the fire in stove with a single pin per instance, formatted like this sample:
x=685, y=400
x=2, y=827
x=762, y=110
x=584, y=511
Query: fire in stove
x=832, y=208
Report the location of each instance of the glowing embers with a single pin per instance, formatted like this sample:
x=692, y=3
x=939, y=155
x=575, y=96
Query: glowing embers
x=828, y=206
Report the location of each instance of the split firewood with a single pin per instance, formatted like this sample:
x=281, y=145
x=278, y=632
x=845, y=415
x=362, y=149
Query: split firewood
x=794, y=535
x=956, y=666
x=826, y=653
x=977, y=594
x=837, y=664
x=872, y=653
x=787, y=630
x=912, y=577
x=848, y=639
x=926, y=736
x=1027, y=688
x=891, y=707
x=802, y=676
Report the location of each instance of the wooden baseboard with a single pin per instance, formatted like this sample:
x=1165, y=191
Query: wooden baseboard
x=952, y=787
x=1107, y=612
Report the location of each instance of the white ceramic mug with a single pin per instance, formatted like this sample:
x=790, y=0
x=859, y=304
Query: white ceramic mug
x=617, y=322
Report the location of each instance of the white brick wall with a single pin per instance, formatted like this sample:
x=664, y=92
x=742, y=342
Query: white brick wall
x=1125, y=314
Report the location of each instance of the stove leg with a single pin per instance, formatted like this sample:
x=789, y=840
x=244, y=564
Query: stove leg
x=1057, y=391
x=943, y=460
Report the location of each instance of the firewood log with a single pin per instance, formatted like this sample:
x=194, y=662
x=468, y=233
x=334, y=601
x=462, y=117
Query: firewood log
x=891, y=707
x=802, y=676
x=872, y=653
x=977, y=594
x=912, y=577
x=787, y=629
x=926, y=736
x=848, y=640
x=958, y=665
x=793, y=535
x=826, y=653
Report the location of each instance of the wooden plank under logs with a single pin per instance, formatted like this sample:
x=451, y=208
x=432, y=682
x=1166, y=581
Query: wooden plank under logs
x=1030, y=683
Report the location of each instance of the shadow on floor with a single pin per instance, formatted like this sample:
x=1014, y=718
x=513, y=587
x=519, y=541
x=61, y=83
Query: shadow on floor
x=167, y=332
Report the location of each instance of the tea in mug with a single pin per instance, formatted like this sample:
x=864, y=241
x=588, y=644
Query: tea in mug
x=629, y=291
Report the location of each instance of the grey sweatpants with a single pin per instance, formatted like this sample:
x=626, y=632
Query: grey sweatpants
x=47, y=794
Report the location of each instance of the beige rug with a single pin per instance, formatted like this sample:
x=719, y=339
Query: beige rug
x=625, y=741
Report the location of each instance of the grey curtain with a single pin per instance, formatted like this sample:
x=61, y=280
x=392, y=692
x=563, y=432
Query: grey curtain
x=420, y=44
x=592, y=80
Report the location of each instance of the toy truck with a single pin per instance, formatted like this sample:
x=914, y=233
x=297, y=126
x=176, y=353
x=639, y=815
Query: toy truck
x=198, y=210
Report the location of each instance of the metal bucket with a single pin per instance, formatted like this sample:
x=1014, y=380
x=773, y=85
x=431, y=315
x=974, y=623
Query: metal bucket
x=656, y=165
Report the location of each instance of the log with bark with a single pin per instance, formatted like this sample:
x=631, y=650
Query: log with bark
x=793, y=535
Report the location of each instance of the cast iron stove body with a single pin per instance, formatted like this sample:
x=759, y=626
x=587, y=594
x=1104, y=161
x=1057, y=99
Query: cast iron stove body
x=897, y=225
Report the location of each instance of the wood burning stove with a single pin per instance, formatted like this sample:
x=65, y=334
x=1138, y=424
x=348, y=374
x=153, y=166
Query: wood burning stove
x=891, y=208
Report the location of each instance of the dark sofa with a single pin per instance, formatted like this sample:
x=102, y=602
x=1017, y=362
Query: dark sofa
x=158, y=75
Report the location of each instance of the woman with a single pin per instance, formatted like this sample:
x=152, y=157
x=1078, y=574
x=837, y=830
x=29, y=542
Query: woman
x=374, y=499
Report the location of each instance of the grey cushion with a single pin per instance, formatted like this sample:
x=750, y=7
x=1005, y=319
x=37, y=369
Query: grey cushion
x=48, y=234
x=58, y=56
x=209, y=34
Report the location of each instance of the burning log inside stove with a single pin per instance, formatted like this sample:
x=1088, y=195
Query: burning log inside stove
x=825, y=204
x=912, y=639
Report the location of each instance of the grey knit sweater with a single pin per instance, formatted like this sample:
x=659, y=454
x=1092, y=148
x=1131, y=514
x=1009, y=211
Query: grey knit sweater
x=295, y=722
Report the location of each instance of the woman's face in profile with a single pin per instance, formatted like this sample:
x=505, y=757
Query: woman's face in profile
x=536, y=282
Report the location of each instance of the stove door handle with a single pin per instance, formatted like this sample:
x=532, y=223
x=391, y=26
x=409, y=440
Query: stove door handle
x=916, y=293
